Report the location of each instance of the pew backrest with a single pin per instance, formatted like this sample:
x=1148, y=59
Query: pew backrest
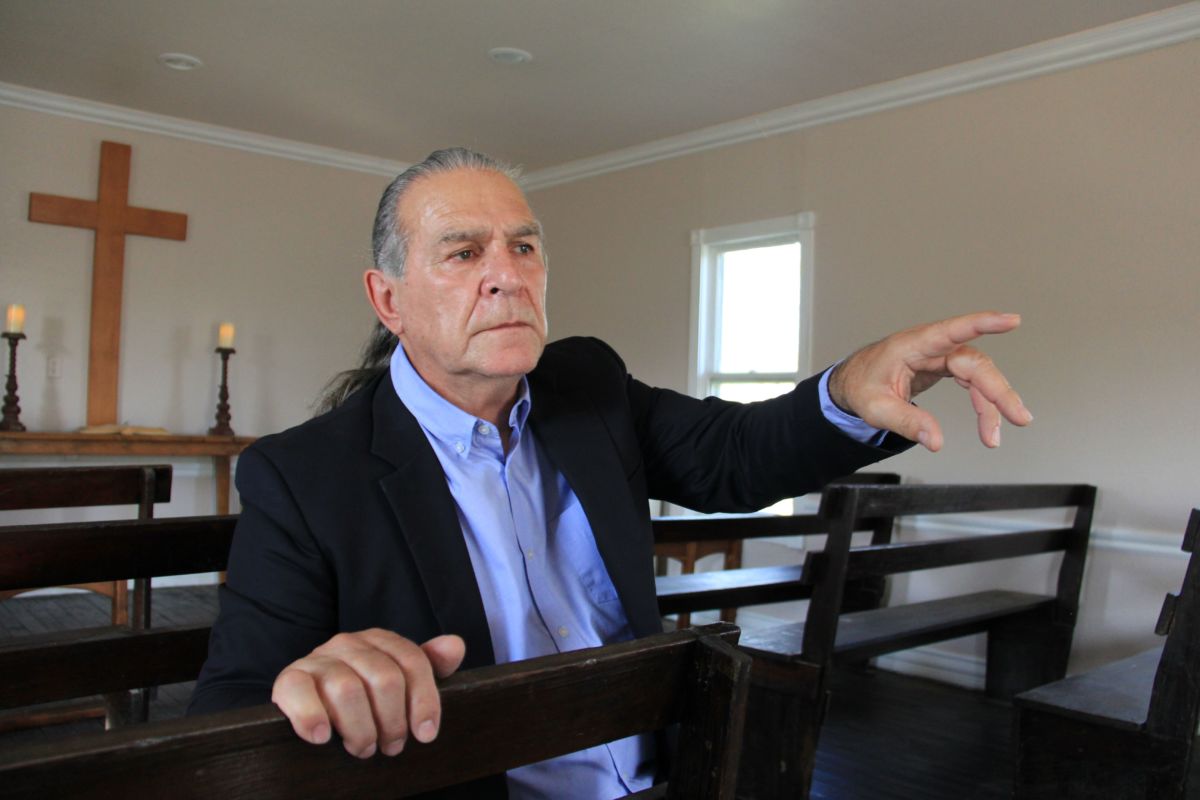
x=77, y=552
x=846, y=507
x=76, y=663
x=493, y=719
x=758, y=585
x=76, y=487
x=1175, y=699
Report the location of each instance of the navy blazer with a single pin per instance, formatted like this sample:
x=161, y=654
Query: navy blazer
x=348, y=523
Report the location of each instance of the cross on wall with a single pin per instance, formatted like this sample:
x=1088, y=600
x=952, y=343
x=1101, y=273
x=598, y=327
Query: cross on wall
x=112, y=218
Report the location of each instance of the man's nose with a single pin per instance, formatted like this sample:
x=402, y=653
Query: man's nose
x=502, y=275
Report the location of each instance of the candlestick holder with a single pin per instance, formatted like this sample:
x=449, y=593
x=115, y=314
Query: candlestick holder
x=12, y=406
x=222, y=427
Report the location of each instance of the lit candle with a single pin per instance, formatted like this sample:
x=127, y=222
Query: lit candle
x=225, y=335
x=15, y=321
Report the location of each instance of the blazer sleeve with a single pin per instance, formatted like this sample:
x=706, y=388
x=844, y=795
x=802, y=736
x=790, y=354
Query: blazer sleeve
x=279, y=600
x=713, y=455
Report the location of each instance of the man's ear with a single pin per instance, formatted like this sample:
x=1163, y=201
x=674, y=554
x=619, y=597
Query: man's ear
x=383, y=292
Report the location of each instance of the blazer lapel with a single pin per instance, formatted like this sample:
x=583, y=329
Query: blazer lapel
x=425, y=511
x=578, y=443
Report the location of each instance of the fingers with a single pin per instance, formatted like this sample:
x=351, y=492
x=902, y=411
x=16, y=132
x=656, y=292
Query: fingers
x=940, y=338
x=911, y=422
x=373, y=687
x=976, y=371
x=879, y=381
x=295, y=692
x=445, y=654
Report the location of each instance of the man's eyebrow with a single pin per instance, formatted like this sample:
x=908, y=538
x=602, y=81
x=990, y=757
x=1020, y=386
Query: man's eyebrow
x=533, y=228
x=456, y=236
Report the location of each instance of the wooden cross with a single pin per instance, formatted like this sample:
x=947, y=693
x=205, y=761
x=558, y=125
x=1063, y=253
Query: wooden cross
x=112, y=218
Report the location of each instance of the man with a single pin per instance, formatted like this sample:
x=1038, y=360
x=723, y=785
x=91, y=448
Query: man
x=480, y=496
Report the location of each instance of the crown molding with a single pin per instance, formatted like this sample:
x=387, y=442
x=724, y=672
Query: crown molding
x=1137, y=35
x=132, y=119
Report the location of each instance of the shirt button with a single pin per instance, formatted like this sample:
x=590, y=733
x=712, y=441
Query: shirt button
x=529, y=554
x=484, y=430
x=460, y=448
x=562, y=631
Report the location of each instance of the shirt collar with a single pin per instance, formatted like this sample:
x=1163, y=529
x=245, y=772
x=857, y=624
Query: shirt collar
x=442, y=419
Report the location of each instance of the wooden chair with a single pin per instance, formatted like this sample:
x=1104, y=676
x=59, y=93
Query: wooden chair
x=76, y=487
x=493, y=719
x=1125, y=730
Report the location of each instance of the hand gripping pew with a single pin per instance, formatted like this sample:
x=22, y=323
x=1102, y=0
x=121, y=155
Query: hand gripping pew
x=1029, y=635
x=493, y=719
x=1124, y=730
x=50, y=667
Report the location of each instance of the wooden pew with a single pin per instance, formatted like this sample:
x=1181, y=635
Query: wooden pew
x=78, y=487
x=1124, y=730
x=494, y=719
x=734, y=588
x=66, y=664
x=1029, y=635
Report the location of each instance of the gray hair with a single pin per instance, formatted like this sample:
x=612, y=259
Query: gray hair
x=389, y=240
x=389, y=246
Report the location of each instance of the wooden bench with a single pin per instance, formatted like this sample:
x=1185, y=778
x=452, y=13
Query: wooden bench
x=78, y=487
x=46, y=668
x=1029, y=635
x=735, y=588
x=493, y=719
x=1124, y=730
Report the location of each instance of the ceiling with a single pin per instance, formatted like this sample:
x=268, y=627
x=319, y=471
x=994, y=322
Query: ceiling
x=394, y=79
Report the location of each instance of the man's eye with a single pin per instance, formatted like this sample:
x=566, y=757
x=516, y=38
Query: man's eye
x=524, y=249
x=463, y=255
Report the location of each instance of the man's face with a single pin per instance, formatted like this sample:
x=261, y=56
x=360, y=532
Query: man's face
x=473, y=296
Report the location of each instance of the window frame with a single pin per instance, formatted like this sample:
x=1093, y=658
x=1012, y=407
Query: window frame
x=708, y=244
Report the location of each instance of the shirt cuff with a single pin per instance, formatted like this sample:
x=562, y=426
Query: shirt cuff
x=848, y=424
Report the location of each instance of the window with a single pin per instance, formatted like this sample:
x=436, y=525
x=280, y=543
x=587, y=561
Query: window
x=751, y=295
x=751, y=290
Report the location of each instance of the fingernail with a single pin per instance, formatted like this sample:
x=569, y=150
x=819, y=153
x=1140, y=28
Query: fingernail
x=426, y=731
x=320, y=734
x=923, y=438
x=996, y=436
x=394, y=747
x=367, y=751
x=1028, y=416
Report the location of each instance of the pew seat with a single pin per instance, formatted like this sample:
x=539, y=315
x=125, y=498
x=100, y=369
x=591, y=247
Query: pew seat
x=1127, y=729
x=865, y=634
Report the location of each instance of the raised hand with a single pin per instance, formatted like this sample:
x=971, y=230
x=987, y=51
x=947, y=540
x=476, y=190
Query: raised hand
x=878, y=382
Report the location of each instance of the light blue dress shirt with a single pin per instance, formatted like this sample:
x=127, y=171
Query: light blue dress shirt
x=545, y=588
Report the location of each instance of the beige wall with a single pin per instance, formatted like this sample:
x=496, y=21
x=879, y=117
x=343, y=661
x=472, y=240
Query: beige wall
x=1071, y=198
x=275, y=246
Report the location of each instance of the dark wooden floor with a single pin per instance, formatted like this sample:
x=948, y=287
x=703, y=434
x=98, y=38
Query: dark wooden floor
x=888, y=736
